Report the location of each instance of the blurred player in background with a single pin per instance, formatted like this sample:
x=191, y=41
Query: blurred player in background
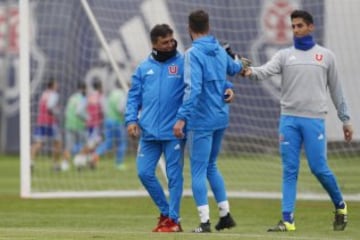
x=156, y=91
x=114, y=127
x=75, y=119
x=307, y=70
x=206, y=116
x=95, y=108
x=47, y=124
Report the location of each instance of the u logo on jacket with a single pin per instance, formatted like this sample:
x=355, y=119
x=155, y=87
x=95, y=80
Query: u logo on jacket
x=319, y=57
x=173, y=69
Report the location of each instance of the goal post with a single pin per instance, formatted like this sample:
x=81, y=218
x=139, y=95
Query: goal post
x=75, y=41
x=25, y=175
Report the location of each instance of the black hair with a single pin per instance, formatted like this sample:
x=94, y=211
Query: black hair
x=50, y=83
x=96, y=84
x=160, y=30
x=199, y=21
x=81, y=85
x=308, y=18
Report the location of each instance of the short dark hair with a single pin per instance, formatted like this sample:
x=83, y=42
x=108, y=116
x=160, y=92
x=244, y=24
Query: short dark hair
x=81, y=85
x=50, y=83
x=160, y=30
x=308, y=18
x=96, y=84
x=199, y=21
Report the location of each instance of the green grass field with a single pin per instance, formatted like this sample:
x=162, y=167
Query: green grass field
x=133, y=218
x=243, y=173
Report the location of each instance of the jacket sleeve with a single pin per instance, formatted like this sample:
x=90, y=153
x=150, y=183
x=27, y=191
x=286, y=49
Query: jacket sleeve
x=272, y=67
x=228, y=84
x=134, y=103
x=233, y=66
x=336, y=91
x=193, y=77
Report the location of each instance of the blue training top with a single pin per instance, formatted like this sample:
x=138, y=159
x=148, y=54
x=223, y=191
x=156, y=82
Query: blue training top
x=206, y=68
x=156, y=93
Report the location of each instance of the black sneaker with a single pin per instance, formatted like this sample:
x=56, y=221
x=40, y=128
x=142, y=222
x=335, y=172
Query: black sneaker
x=203, y=228
x=225, y=222
x=340, y=220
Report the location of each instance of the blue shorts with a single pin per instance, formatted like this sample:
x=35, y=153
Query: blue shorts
x=42, y=132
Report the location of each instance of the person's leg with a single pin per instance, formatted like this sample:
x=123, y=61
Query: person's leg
x=174, y=157
x=70, y=141
x=54, y=134
x=147, y=158
x=107, y=144
x=80, y=142
x=290, y=140
x=35, y=148
x=57, y=146
x=93, y=141
x=122, y=144
x=214, y=176
x=315, y=149
x=39, y=137
x=217, y=183
x=199, y=150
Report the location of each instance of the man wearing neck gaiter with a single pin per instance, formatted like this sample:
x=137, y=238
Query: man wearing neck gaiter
x=307, y=71
x=156, y=92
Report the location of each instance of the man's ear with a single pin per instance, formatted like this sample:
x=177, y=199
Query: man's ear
x=312, y=27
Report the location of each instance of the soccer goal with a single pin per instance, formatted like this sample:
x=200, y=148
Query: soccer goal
x=73, y=41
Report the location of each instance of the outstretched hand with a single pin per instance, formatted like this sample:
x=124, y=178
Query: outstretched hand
x=246, y=72
x=246, y=63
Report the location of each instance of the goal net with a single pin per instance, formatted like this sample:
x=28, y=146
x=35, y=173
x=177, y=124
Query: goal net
x=74, y=41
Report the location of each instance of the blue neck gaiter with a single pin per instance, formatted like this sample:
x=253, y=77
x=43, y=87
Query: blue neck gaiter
x=304, y=43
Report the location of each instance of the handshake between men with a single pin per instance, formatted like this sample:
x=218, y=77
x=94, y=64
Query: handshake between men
x=246, y=63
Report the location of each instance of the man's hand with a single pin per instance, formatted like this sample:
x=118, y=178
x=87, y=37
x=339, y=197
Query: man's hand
x=229, y=95
x=246, y=63
x=246, y=72
x=133, y=130
x=178, y=129
x=348, y=132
